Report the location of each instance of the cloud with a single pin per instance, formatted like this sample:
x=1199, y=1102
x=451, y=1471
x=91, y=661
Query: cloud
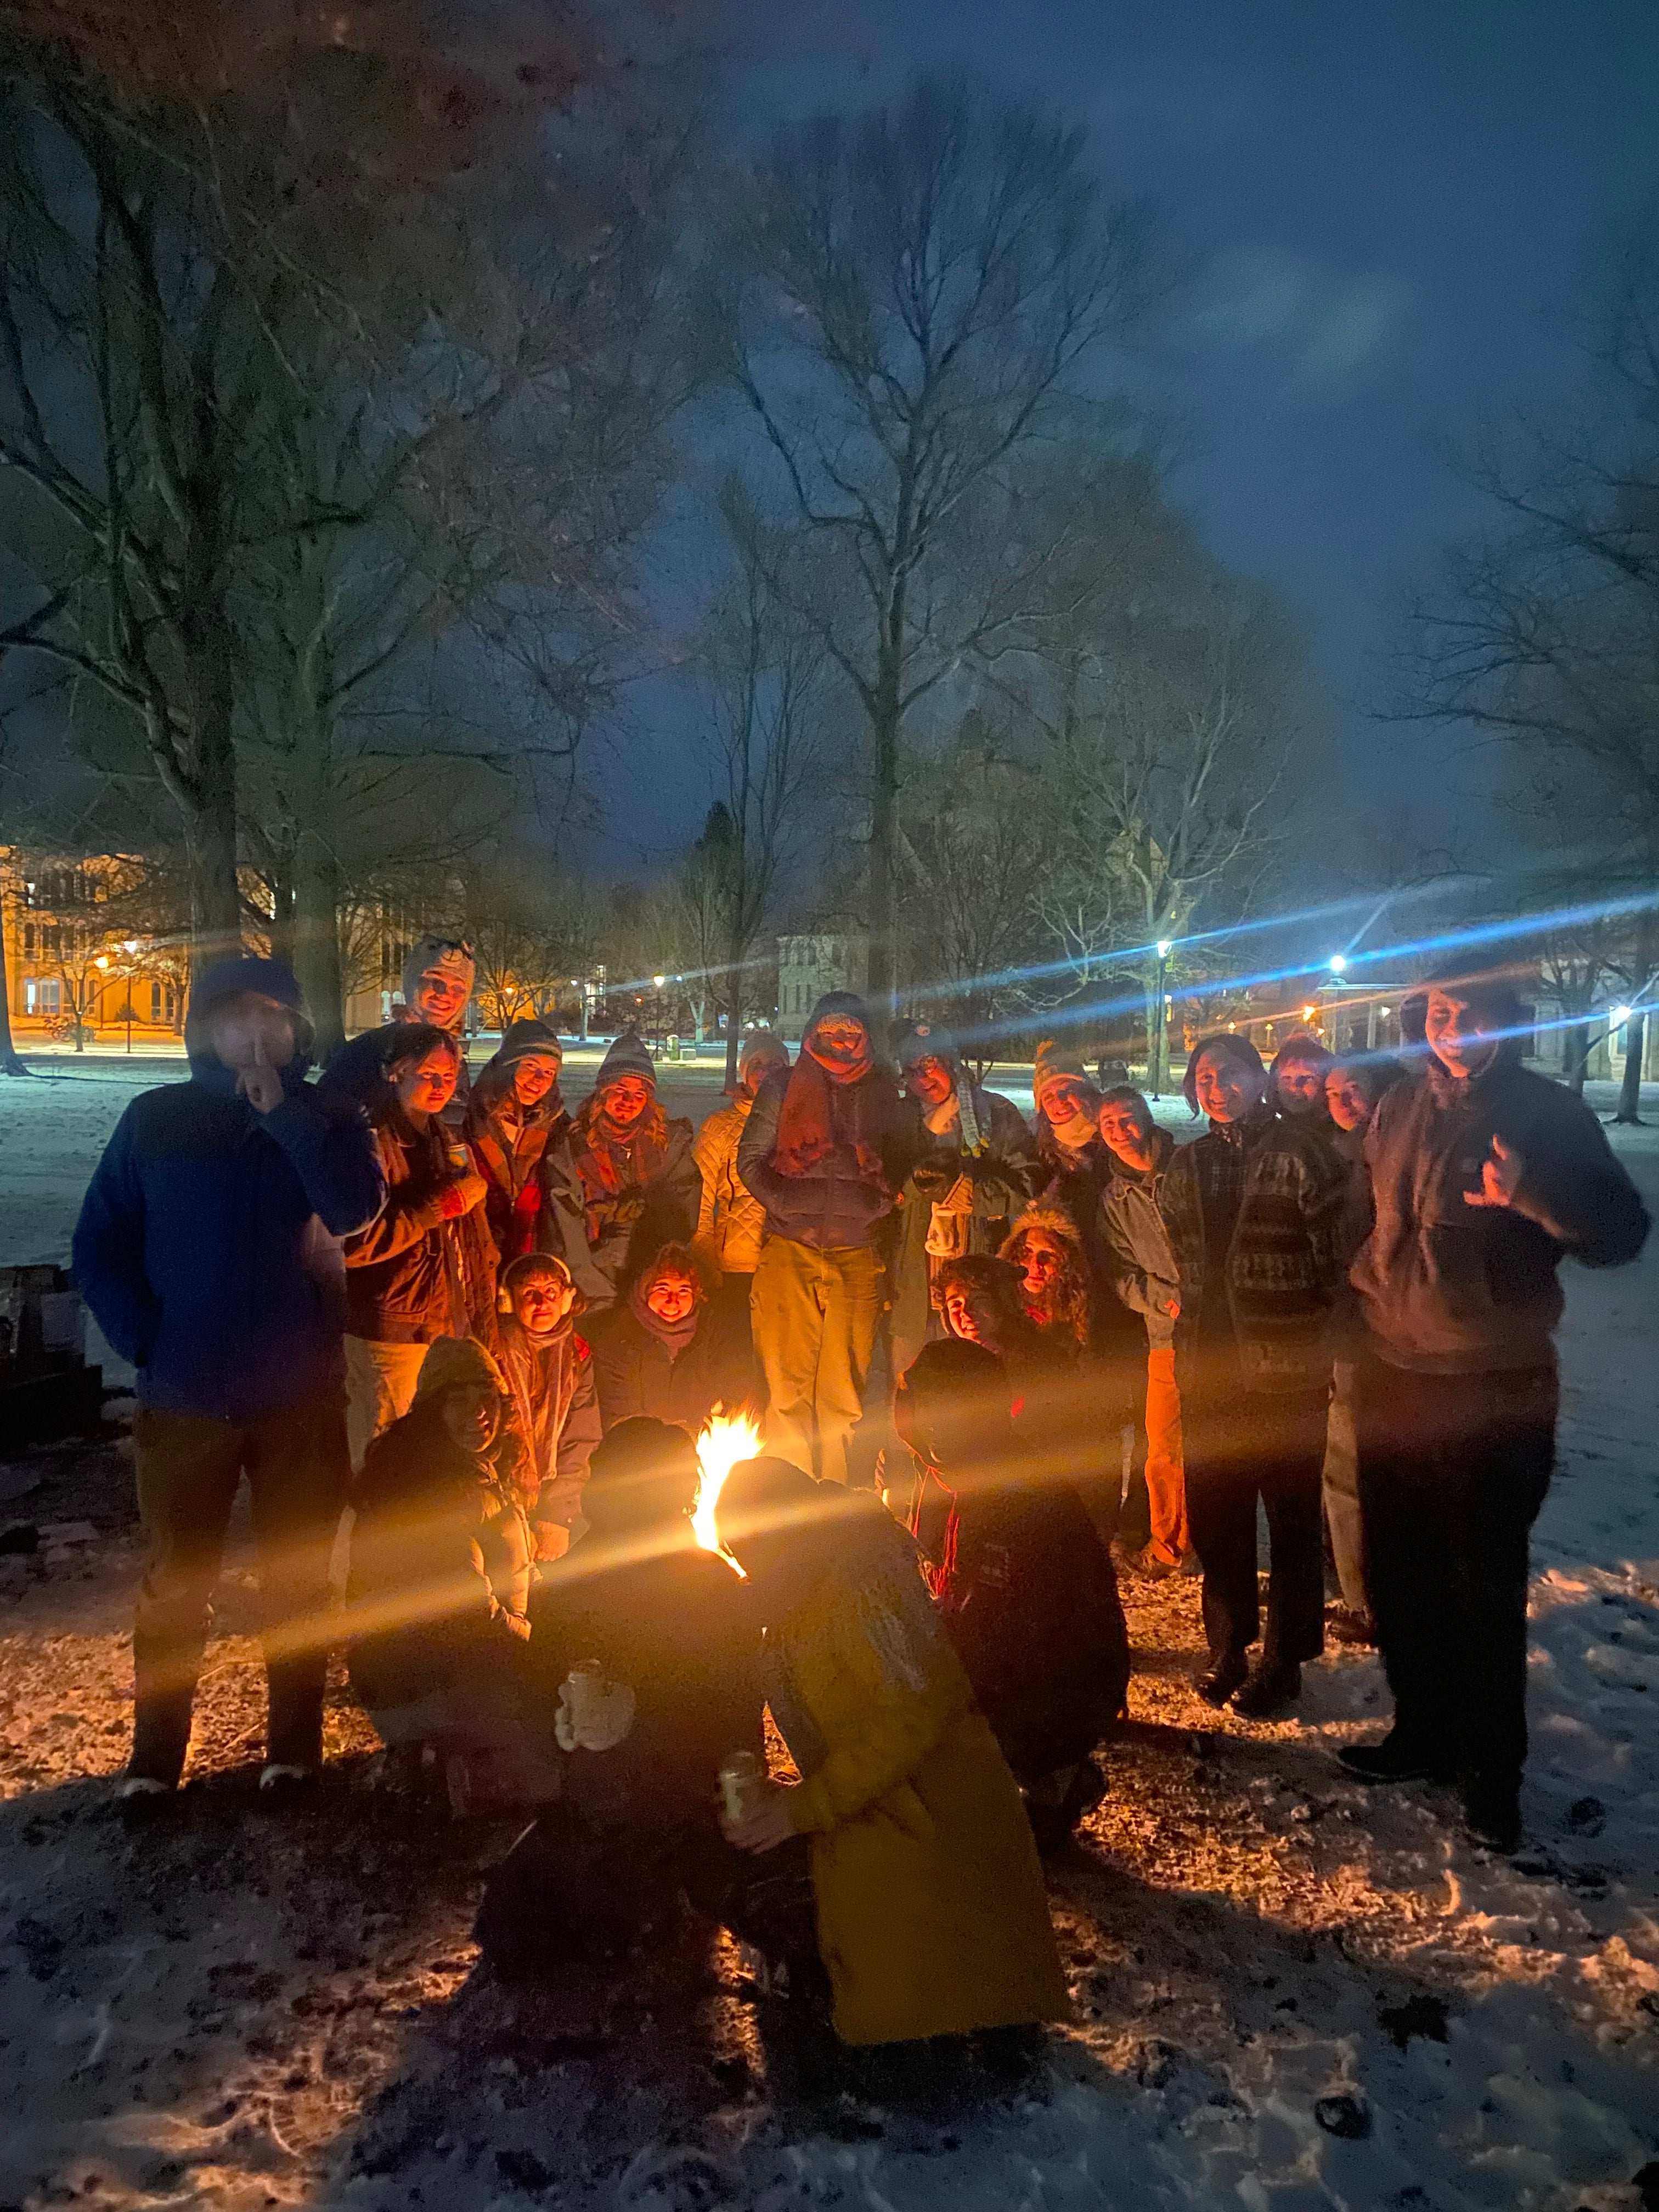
x=1325, y=330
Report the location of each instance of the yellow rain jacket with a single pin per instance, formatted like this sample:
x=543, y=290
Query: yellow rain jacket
x=932, y=1914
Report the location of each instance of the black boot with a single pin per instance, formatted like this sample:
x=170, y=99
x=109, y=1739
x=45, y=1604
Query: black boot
x=1270, y=1689
x=1396, y=1759
x=1221, y=1677
x=1491, y=1812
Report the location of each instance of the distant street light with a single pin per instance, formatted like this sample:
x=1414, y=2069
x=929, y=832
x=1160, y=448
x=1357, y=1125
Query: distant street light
x=1337, y=964
x=1157, y=1045
x=1618, y=1017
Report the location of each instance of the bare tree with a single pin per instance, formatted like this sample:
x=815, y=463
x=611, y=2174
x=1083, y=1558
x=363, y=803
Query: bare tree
x=1544, y=633
x=763, y=672
x=914, y=294
x=1167, y=725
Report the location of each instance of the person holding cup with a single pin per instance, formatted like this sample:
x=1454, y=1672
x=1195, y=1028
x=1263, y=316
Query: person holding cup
x=424, y=1269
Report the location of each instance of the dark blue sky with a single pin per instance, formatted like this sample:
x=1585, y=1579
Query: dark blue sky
x=1397, y=211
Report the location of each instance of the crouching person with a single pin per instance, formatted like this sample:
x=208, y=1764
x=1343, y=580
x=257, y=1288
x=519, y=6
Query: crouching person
x=205, y=1250
x=931, y=1915
x=1022, y=1581
x=439, y=1587
x=646, y=1646
x=668, y=1353
x=555, y=1401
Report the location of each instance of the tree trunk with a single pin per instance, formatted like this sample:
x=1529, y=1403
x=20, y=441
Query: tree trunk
x=1630, y=1090
x=317, y=938
x=882, y=970
x=1578, y=1052
x=1156, y=1057
x=735, y=954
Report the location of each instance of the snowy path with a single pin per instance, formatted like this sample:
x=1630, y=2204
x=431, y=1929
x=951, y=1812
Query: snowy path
x=244, y=2008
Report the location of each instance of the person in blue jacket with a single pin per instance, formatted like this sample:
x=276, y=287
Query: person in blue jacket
x=206, y=1249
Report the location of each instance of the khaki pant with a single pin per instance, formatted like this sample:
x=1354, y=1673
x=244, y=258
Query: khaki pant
x=188, y=1469
x=1166, y=1480
x=1342, y=1490
x=381, y=1381
x=815, y=1314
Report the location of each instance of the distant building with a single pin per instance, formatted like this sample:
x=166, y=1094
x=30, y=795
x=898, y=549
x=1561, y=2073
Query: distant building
x=829, y=959
x=90, y=953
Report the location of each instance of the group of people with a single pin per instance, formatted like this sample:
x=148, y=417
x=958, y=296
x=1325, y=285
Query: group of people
x=987, y=1359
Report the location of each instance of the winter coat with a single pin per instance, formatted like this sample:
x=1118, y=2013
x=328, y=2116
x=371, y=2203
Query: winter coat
x=556, y=1404
x=1448, y=1288
x=836, y=1208
x=1139, y=1253
x=637, y=1374
x=206, y=1249
x=524, y=1154
x=1076, y=1182
x=417, y=1273
x=439, y=1579
x=1262, y=1308
x=613, y=1234
x=931, y=1910
x=1003, y=1176
x=730, y=1222
x=1026, y=1589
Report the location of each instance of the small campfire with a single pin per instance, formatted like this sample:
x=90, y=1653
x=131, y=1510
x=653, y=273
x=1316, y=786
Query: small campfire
x=724, y=1439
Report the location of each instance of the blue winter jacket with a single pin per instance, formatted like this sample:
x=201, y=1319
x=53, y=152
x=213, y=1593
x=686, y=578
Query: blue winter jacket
x=205, y=1243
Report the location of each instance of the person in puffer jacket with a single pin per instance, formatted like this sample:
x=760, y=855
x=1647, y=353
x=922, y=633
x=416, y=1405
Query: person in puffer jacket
x=1479, y=1178
x=820, y=1154
x=637, y=1182
x=208, y=1251
x=519, y=1135
x=425, y=1266
x=438, y=1588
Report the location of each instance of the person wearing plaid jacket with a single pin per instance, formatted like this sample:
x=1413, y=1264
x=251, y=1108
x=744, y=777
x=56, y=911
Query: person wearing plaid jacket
x=1255, y=1210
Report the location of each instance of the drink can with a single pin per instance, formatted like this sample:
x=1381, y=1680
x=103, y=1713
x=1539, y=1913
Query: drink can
x=460, y=1160
x=585, y=1683
x=741, y=1777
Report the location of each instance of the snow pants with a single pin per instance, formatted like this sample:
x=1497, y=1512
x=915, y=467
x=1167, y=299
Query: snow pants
x=188, y=1470
x=1453, y=1469
x=815, y=1314
x=1242, y=1446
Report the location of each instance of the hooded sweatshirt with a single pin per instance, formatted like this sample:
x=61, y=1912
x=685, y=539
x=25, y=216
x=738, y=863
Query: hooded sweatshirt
x=1448, y=1288
x=205, y=1245
x=818, y=1151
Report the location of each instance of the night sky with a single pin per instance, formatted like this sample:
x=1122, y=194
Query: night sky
x=1397, y=212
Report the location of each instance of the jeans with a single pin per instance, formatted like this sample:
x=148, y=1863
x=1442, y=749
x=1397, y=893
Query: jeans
x=1243, y=1446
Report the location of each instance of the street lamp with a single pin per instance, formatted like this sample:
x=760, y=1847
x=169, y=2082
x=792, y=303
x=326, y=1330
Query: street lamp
x=1159, y=1040
x=1337, y=964
x=1618, y=1017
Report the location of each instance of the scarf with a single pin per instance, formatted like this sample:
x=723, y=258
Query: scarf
x=674, y=1336
x=610, y=1160
x=863, y=1103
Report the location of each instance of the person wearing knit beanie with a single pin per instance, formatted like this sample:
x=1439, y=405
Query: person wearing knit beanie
x=519, y=1132
x=731, y=1221
x=636, y=1181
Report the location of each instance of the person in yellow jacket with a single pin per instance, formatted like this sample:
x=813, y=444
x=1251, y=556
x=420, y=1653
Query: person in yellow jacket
x=731, y=1224
x=932, y=1917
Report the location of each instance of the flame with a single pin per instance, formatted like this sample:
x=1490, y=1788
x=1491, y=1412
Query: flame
x=724, y=1439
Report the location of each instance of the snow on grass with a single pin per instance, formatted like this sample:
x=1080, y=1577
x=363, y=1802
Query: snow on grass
x=1291, y=1993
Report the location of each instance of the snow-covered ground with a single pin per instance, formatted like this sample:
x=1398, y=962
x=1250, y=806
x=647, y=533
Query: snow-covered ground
x=1291, y=1993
